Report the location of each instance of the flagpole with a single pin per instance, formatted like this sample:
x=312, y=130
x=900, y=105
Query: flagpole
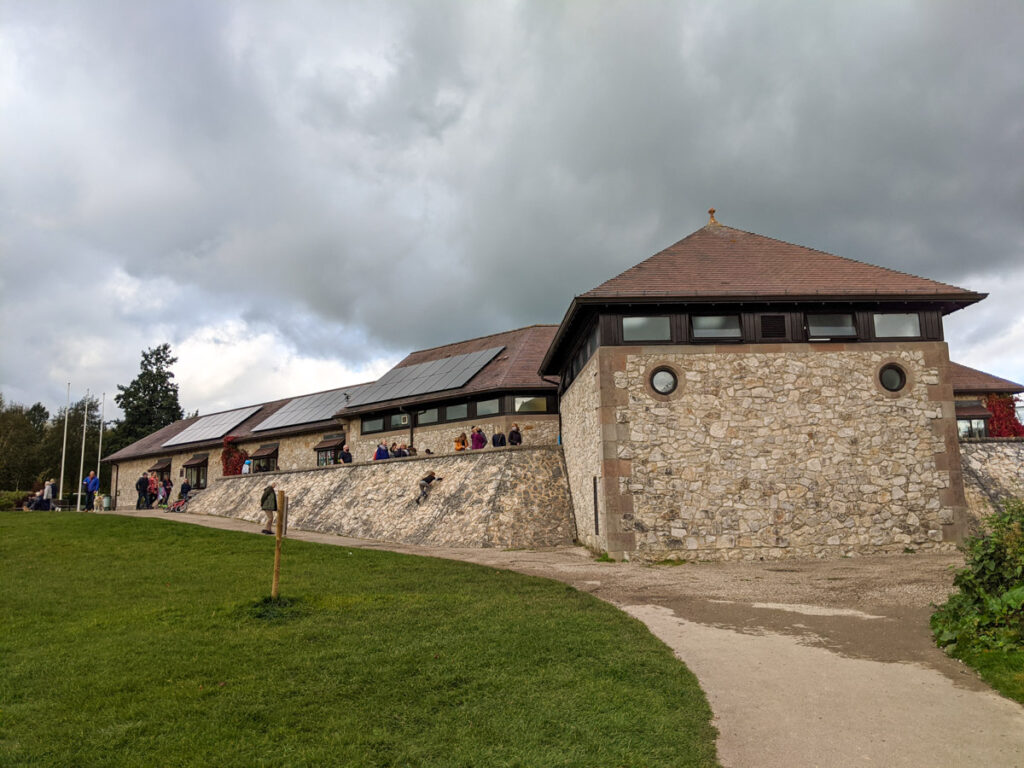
x=99, y=451
x=81, y=464
x=64, y=450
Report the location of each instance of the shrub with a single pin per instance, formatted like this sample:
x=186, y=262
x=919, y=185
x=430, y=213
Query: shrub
x=988, y=611
x=12, y=499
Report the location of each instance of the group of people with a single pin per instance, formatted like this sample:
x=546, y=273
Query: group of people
x=44, y=498
x=152, y=490
x=478, y=440
x=394, y=451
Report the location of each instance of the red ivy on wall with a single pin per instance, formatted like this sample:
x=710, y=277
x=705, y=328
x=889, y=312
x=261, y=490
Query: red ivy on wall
x=1004, y=421
x=232, y=457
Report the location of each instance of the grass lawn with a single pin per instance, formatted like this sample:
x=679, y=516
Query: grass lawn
x=1003, y=670
x=140, y=642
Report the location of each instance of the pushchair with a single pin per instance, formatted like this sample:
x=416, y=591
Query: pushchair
x=182, y=504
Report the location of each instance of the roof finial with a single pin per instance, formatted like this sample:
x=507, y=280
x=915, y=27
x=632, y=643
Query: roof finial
x=713, y=219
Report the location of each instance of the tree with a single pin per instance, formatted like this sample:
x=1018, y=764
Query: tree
x=20, y=434
x=150, y=402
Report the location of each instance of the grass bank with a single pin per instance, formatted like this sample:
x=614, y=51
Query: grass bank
x=135, y=642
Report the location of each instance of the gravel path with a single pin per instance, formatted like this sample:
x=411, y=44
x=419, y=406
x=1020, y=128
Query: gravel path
x=808, y=663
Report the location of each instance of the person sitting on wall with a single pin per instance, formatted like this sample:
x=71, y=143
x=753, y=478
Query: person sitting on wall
x=186, y=489
x=461, y=442
x=142, y=488
x=382, y=452
x=268, y=503
x=478, y=439
x=426, y=483
x=515, y=437
x=498, y=439
x=346, y=457
x=402, y=452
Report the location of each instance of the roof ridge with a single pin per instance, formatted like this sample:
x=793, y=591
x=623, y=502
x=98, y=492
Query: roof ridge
x=478, y=338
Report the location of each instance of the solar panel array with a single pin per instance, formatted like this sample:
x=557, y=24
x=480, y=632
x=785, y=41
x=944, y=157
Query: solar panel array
x=211, y=427
x=435, y=376
x=307, y=409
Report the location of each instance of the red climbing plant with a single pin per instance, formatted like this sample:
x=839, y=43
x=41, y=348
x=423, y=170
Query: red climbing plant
x=232, y=457
x=1004, y=421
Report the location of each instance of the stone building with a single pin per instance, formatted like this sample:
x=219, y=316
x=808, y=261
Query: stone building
x=731, y=397
x=971, y=389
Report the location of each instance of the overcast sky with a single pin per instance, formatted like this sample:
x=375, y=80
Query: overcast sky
x=296, y=195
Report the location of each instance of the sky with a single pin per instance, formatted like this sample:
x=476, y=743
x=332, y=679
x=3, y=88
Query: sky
x=295, y=196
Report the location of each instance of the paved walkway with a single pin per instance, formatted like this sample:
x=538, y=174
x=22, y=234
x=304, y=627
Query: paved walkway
x=816, y=664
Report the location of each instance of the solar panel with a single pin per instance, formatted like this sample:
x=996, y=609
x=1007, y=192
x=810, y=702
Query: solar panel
x=214, y=426
x=435, y=376
x=307, y=409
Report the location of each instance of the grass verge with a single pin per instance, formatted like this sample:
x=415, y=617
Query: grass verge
x=137, y=642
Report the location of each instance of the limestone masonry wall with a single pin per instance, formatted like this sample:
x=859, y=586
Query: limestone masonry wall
x=581, y=441
x=768, y=453
x=993, y=472
x=510, y=498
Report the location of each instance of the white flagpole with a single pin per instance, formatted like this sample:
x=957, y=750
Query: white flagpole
x=99, y=451
x=64, y=450
x=81, y=464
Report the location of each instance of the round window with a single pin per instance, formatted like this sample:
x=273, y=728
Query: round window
x=664, y=381
x=892, y=378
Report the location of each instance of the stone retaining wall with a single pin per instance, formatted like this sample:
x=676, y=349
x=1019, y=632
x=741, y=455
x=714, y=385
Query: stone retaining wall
x=509, y=498
x=993, y=471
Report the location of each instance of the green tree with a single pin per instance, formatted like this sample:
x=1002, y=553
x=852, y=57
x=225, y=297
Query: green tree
x=150, y=402
x=19, y=445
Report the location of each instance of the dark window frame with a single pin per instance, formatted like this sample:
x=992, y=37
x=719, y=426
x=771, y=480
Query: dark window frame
x=694, y=339
x=198, y=475
x=506, y=406
x=921, y=335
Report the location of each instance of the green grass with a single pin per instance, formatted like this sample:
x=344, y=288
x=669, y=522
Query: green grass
x=1003, y=670
x=139, y=642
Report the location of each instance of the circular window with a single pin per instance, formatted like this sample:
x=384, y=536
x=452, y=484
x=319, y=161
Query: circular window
x=664, y=381
x=892, y=378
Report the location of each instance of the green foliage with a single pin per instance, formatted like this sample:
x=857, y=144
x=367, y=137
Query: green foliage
x=12, y=499
x=988, y=611
x=137, y=642
x=150, y=401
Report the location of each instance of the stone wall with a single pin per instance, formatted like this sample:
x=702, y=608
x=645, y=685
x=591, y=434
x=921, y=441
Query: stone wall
x=768, y=451
x=582, y=444
x=540, y=429
x=510, y=498
x=993, y=472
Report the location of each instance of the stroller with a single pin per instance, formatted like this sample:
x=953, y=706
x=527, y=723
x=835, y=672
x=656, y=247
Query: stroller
x=182, y=504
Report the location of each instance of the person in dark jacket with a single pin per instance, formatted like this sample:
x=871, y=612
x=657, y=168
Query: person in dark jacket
x=268, y=503
x=142, y=488
x=186, y=489
x=92, y=484
x=346, y=457
x=498, y=439
x=515, y=437
x=382, y=452
x=426, y=483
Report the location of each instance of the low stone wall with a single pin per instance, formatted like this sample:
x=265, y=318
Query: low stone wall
x=993, y=471
x=508, y=498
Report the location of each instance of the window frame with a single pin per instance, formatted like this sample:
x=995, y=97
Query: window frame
x=738, y=339
x=874, y=328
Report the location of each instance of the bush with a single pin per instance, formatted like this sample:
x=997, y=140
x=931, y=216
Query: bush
x=12, y=499
x=988, y=612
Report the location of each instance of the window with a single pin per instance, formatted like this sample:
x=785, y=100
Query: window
x=892, y=378
x=398, y=420
x=426, y=416
x=328, y=457
x=488, y=407
x=456, y=412
x=646, y=329
x=897, y=326
x=716, y=327
x=971, y=428
x=664, y=381
x=532, y=404
x=196, y=476
x=265, y=464
x=830, y=326
x=375, y=424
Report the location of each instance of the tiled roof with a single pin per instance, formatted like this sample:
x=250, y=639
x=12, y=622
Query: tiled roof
x=152, y=445
x=719, y=261
x=515, y=367
x=972, y=380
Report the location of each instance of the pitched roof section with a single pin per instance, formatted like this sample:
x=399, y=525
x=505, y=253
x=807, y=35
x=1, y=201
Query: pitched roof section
x=515, y=367
x=153, y=445
x=972, y=380
x=719, y=261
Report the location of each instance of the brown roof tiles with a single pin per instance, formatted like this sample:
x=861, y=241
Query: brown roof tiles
x=970, y=380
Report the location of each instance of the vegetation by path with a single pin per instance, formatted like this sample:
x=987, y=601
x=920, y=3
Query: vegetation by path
x=983, y=623
x=136, y=642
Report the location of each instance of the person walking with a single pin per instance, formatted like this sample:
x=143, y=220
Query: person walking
x=268, y=503
x=48, y=493
x=92, y=484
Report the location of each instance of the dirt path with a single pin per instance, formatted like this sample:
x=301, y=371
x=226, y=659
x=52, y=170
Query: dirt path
x=814, y=664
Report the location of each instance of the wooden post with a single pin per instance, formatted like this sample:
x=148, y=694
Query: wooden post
x=278, y=526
